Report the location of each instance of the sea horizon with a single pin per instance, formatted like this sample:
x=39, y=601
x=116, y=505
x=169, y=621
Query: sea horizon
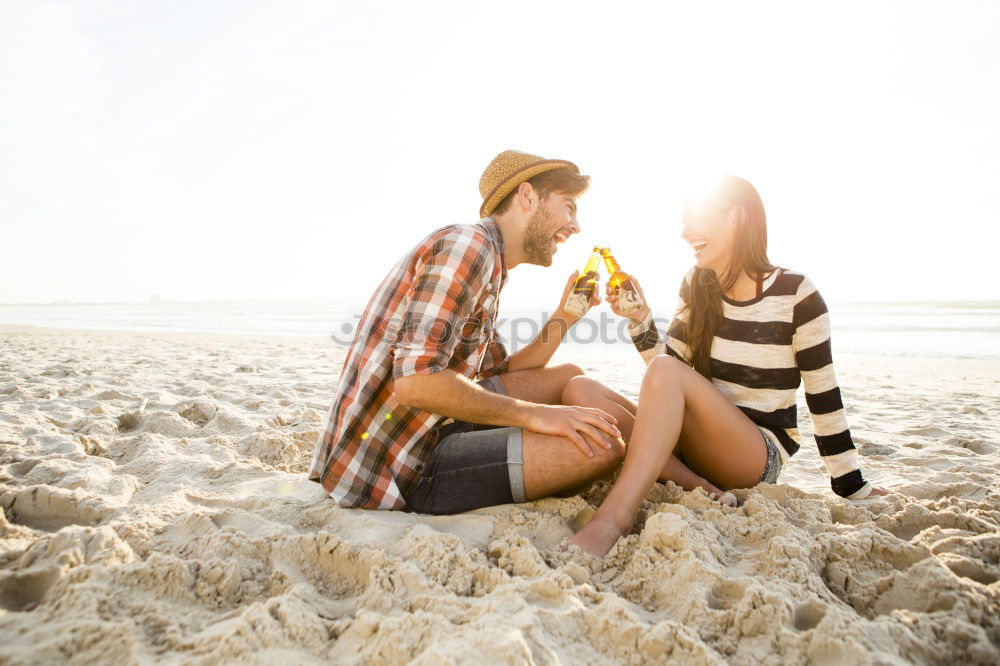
x=156, y=300
x=957, y=329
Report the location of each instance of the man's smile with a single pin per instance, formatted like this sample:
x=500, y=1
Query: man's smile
x=559, y=237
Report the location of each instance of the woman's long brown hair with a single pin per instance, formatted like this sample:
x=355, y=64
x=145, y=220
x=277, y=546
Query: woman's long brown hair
x=704, y=301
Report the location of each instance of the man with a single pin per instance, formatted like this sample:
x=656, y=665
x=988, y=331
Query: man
x=431, y=414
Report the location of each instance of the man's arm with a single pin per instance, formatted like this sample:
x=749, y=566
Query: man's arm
x=538, y=352
x=449, y=393
x=449, y=281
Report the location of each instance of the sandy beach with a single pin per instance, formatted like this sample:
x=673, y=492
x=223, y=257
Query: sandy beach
x=155, y=509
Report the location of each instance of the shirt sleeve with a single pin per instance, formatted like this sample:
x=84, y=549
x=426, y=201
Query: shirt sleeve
x=450, y=281
x=495, y=358
x=650, y=343
x=813, y=355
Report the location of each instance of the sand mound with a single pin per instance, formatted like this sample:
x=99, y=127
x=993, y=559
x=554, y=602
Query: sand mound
x=192, y=536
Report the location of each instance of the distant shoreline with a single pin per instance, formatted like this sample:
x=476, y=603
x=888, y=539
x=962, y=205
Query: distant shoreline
x=933, y=329
x=16, y=329
x=573, y=349
x=969, y=303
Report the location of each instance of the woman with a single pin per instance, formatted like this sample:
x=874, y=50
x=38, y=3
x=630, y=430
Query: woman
x=720, y=390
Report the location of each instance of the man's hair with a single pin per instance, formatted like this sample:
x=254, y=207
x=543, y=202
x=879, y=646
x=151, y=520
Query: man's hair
x=563, y=180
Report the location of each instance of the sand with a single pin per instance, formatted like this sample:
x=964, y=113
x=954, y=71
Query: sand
x=155, y=510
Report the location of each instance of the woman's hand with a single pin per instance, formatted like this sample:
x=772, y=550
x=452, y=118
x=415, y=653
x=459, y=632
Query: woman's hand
x=561, y=310
x=639, y=315
x=577, y=424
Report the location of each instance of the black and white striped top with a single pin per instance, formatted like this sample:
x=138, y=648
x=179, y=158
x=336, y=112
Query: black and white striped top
x=762, y=349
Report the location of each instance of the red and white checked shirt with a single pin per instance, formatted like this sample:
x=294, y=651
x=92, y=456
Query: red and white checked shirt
x=436, y=309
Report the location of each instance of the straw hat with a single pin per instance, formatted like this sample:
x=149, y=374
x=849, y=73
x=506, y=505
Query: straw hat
x=508, y=170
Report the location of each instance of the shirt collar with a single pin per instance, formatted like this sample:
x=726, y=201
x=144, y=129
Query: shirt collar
x=493, y=229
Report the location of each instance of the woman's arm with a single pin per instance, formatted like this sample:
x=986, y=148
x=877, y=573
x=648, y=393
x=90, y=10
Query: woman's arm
x=814, y=358
x=646, y=337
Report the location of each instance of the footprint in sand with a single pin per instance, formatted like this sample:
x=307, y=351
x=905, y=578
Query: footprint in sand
x=873, y=449
x=199, y=412
x=112, y=394
x=809, y=615
x=48, y=508
x=971, y=569
x=725, y=594
x=914, y=519
x=978, y=446
x=926, y=431
x=24, y=591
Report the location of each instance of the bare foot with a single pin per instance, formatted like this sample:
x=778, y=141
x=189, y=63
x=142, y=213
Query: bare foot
x=725, y=498
x=597, y=537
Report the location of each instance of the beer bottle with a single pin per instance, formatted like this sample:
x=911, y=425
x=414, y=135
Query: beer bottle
x=622, y=286
x=578, y=302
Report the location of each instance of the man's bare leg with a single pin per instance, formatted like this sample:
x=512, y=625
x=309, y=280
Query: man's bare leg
x=553, y=465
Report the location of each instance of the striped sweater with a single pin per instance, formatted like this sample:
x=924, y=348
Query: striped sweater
x=762, y=349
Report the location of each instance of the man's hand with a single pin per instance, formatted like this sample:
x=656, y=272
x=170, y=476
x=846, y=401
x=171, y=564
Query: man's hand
x=639, y=315
x=578, y=424
x=561, y=310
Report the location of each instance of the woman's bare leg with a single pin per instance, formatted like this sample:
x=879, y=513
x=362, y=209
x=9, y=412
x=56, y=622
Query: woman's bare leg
x=720, y=441
x=587, y=392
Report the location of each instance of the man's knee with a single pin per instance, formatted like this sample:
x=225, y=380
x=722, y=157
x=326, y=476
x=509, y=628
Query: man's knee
x=607, y=458
x=580, y=390
x=616, y=454
x=554, y=463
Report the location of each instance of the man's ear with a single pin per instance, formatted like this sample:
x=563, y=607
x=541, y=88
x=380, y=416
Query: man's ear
x=526, y=196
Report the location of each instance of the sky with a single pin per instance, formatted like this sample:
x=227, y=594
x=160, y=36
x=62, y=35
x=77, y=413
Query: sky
x=201, y=150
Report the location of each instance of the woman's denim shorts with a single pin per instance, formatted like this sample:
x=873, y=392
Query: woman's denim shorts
x=773, y=466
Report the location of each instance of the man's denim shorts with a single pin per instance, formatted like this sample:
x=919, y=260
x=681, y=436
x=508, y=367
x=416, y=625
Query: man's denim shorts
x=472, y=466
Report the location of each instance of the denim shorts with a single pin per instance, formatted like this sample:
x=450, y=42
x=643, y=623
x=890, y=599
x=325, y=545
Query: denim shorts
x=472, y=466
x=773, y=465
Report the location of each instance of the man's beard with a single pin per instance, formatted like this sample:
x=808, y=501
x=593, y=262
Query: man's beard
x=537, y=241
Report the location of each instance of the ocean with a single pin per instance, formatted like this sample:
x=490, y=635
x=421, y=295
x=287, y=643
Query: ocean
x=958, y=329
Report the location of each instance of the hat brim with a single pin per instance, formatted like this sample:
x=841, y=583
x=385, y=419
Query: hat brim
x=512, y=181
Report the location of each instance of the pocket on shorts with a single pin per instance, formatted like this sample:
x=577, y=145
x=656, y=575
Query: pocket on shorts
x=418, y=498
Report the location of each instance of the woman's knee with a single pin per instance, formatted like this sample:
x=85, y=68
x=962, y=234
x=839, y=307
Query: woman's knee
x=568, y=370
x=664, y=370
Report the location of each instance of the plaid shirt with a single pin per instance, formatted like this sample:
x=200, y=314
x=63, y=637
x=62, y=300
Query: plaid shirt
x=435, y=309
